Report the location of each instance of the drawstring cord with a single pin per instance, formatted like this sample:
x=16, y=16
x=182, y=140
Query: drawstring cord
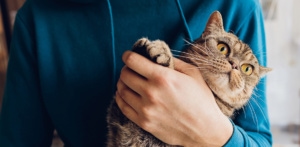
x=113, y=46
x=113, y=37
x=184, y=20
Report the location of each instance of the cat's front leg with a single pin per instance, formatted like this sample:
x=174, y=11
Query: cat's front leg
x=157, y=51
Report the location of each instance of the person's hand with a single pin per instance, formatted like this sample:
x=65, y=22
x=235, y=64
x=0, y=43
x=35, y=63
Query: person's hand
x=175, y=106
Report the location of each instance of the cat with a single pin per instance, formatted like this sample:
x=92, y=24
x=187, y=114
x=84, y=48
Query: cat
x=227, y=65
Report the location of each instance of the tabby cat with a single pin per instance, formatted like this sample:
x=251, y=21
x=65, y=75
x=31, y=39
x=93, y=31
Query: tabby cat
x=228, y=66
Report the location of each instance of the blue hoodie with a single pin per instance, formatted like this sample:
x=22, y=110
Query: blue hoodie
x=65, y=58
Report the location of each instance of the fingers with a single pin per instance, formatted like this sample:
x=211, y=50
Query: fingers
x=126, y=109
x=132, y=80
x=129, y=90
x=130, y=97
x=141, y=65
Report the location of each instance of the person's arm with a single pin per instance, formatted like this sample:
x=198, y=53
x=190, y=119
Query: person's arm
x=24, y=120
x=251, y=125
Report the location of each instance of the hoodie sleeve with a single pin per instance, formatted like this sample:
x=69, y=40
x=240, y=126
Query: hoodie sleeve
x=23, y=120
x=251, y=124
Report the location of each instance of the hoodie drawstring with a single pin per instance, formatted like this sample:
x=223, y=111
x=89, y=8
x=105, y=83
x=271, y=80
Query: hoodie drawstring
x=113, y=46
x=184, y=21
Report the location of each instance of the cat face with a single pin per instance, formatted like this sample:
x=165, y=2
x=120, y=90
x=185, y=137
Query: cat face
x=228, y=65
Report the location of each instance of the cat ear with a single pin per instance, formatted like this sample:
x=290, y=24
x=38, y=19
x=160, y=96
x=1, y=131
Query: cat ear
x=264, y=70
x=214, y=23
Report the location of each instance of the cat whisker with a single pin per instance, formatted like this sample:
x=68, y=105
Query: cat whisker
x=253, y=115
x=178, y=51
x=258, y=96
x=256, y=89
x=259, y=107
x=203, y=49
x=205, y=71
x=243, y=108
x=197, y=68
x=260, y=81
x=189, y=43
x=197, y=59
x=182, y=52
x=255, y=94
x=208, y=48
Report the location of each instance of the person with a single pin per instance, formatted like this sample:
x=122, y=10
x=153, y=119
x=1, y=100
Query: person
x=67, y=56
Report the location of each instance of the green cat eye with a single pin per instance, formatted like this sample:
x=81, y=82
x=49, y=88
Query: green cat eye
x=223, y=48
x=247, y=69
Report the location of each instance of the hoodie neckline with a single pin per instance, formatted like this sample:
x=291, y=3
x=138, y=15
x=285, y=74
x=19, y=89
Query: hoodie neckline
x=114, y=66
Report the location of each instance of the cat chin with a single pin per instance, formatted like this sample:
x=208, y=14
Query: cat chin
x=220, y=86
x=229, y=104
x=225, y=107
x=230, y=84
x=240, y=103
x=216, y=77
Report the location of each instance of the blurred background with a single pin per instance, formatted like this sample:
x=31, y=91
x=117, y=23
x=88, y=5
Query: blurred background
x=282, y=24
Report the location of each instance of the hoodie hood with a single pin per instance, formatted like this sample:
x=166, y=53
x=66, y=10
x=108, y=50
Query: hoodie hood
x=110, y=10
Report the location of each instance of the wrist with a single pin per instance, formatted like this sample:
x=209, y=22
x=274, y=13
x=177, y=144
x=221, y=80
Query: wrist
x=225, y=131
x=214, y=133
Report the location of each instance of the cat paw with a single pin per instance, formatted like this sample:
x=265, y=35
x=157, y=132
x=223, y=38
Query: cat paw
x=157, y=51
x=143, y=42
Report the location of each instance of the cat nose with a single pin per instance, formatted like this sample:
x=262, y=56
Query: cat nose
x=233, y=64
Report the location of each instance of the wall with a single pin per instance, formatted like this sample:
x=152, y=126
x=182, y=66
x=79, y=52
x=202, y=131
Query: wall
x=283, y=83
x=283, y=44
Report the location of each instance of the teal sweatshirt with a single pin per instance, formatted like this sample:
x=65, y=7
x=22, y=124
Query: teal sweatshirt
x=65, y=59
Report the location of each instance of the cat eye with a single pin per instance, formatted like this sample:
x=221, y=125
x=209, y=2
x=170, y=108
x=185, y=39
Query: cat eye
x=223, y=48
x=247, y=69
